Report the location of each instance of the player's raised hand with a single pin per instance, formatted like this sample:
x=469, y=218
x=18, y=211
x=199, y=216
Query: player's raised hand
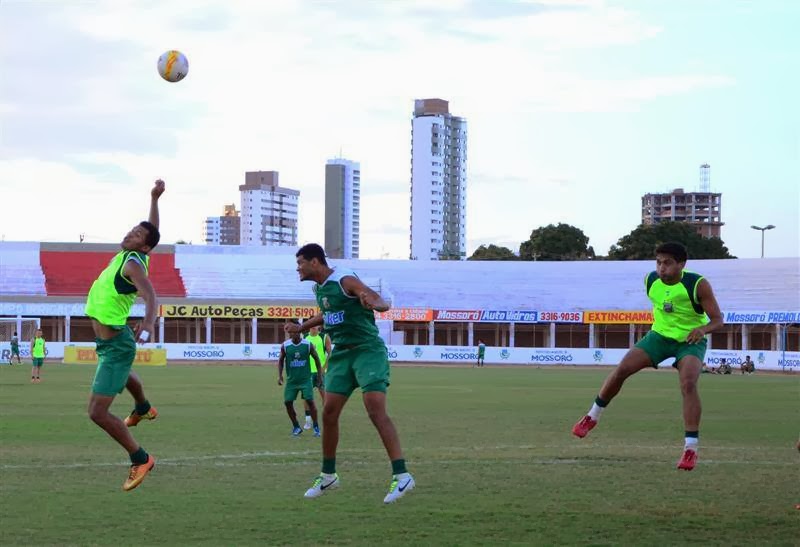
x=158, y=189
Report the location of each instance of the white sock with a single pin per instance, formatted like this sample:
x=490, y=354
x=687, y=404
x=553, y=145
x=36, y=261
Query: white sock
x=308, y=419
x=595, y=411
x=691, y=444
x=329, y=476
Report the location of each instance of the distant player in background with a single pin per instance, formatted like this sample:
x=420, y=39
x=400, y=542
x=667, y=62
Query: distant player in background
x=38, y=351
x=481, y=353
x=321, y=343
x=108, y=305
x=684, y=311
x=297, y=354
x=14, y=350
x=359, y=360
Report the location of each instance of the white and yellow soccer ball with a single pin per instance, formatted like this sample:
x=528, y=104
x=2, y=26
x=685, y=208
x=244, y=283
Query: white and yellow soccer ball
x=173, y=66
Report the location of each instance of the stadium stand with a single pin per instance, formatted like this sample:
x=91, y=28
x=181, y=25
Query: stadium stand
x=743, y=284
x=20, y=271
x=70, y=269
x=269, y=274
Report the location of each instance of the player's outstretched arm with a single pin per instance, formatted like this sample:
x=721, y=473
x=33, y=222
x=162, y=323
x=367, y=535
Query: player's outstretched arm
x=155, y=193
x=369, y=298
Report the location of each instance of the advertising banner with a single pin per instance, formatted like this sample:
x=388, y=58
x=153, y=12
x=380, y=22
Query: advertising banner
x=86, y=355
x=768, y=317
x=233, y=311
x=487, y=316
x=616, y=317
x=405, y=314
x=560, y=316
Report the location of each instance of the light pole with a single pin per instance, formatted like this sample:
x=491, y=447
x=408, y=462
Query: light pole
x=764, y=229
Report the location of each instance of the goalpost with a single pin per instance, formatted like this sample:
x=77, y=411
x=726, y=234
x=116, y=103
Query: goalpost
x=25, y=330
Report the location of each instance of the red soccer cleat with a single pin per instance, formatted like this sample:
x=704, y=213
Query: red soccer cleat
x=584, y=426
x=688, y=460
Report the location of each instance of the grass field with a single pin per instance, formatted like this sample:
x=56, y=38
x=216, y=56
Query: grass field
x=491, y=450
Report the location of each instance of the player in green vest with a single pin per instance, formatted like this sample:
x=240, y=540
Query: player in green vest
x=14, y=350
x=684, y=312
x=481, y=353
x=37, y=356
x=321, y=343
x=298, y=354
x=359, y=359
x=109, y=305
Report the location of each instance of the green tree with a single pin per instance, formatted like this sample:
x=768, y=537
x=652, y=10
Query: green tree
x=551, y=242
x=493, y=252
x=641, y=243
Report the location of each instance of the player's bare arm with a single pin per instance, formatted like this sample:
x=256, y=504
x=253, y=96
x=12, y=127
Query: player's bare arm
x=709, y=302
x=294, y=328
x=318, y=362
x=155, y=193
x=281, y=359
x=134, y=271
x=369, y=299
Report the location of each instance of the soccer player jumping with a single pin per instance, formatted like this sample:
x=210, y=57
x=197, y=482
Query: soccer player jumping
x=109, y=303
x=684, y=311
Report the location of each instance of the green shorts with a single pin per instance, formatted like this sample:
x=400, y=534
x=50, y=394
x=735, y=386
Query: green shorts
x=37, y=361
x=15, y=351
x=306, y=390
x=364, y=365
x=114, y=360
x=659, y=348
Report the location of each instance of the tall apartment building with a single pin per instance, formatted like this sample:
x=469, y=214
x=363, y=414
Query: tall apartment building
x=438, y=182
x=702, y=209
x=223, y=230
x=342, y=208
x=269, y=211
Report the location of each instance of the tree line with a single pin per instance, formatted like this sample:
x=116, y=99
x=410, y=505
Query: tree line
x=567, y=242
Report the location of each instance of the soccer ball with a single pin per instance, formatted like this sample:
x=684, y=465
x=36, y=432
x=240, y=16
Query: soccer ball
x=173, y=66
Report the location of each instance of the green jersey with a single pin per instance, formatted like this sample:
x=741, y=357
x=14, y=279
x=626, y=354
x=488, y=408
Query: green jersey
x=676, y=309
x=14, y=342
x=112, y=294
x=37, y=350
x=297, y=361
x=318, y=341
x=346, y=320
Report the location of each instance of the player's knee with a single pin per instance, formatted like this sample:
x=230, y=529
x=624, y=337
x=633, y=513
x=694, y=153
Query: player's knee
x=375, y=411
x=97, y=413
x=688, y=386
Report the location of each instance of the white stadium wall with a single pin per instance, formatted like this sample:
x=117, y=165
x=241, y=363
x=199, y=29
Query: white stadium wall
x=764, y=360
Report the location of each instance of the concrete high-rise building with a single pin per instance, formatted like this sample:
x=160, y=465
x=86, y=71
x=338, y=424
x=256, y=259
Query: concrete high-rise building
x=223, y=230
x=702, y=209
x=438, y=182
x=269, y=211
x=342, y=208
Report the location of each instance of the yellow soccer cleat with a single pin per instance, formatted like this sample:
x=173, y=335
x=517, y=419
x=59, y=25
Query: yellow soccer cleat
x=134, y=419
x=138, y=473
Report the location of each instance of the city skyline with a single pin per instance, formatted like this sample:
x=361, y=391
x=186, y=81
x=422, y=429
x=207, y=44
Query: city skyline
x=576, y=108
